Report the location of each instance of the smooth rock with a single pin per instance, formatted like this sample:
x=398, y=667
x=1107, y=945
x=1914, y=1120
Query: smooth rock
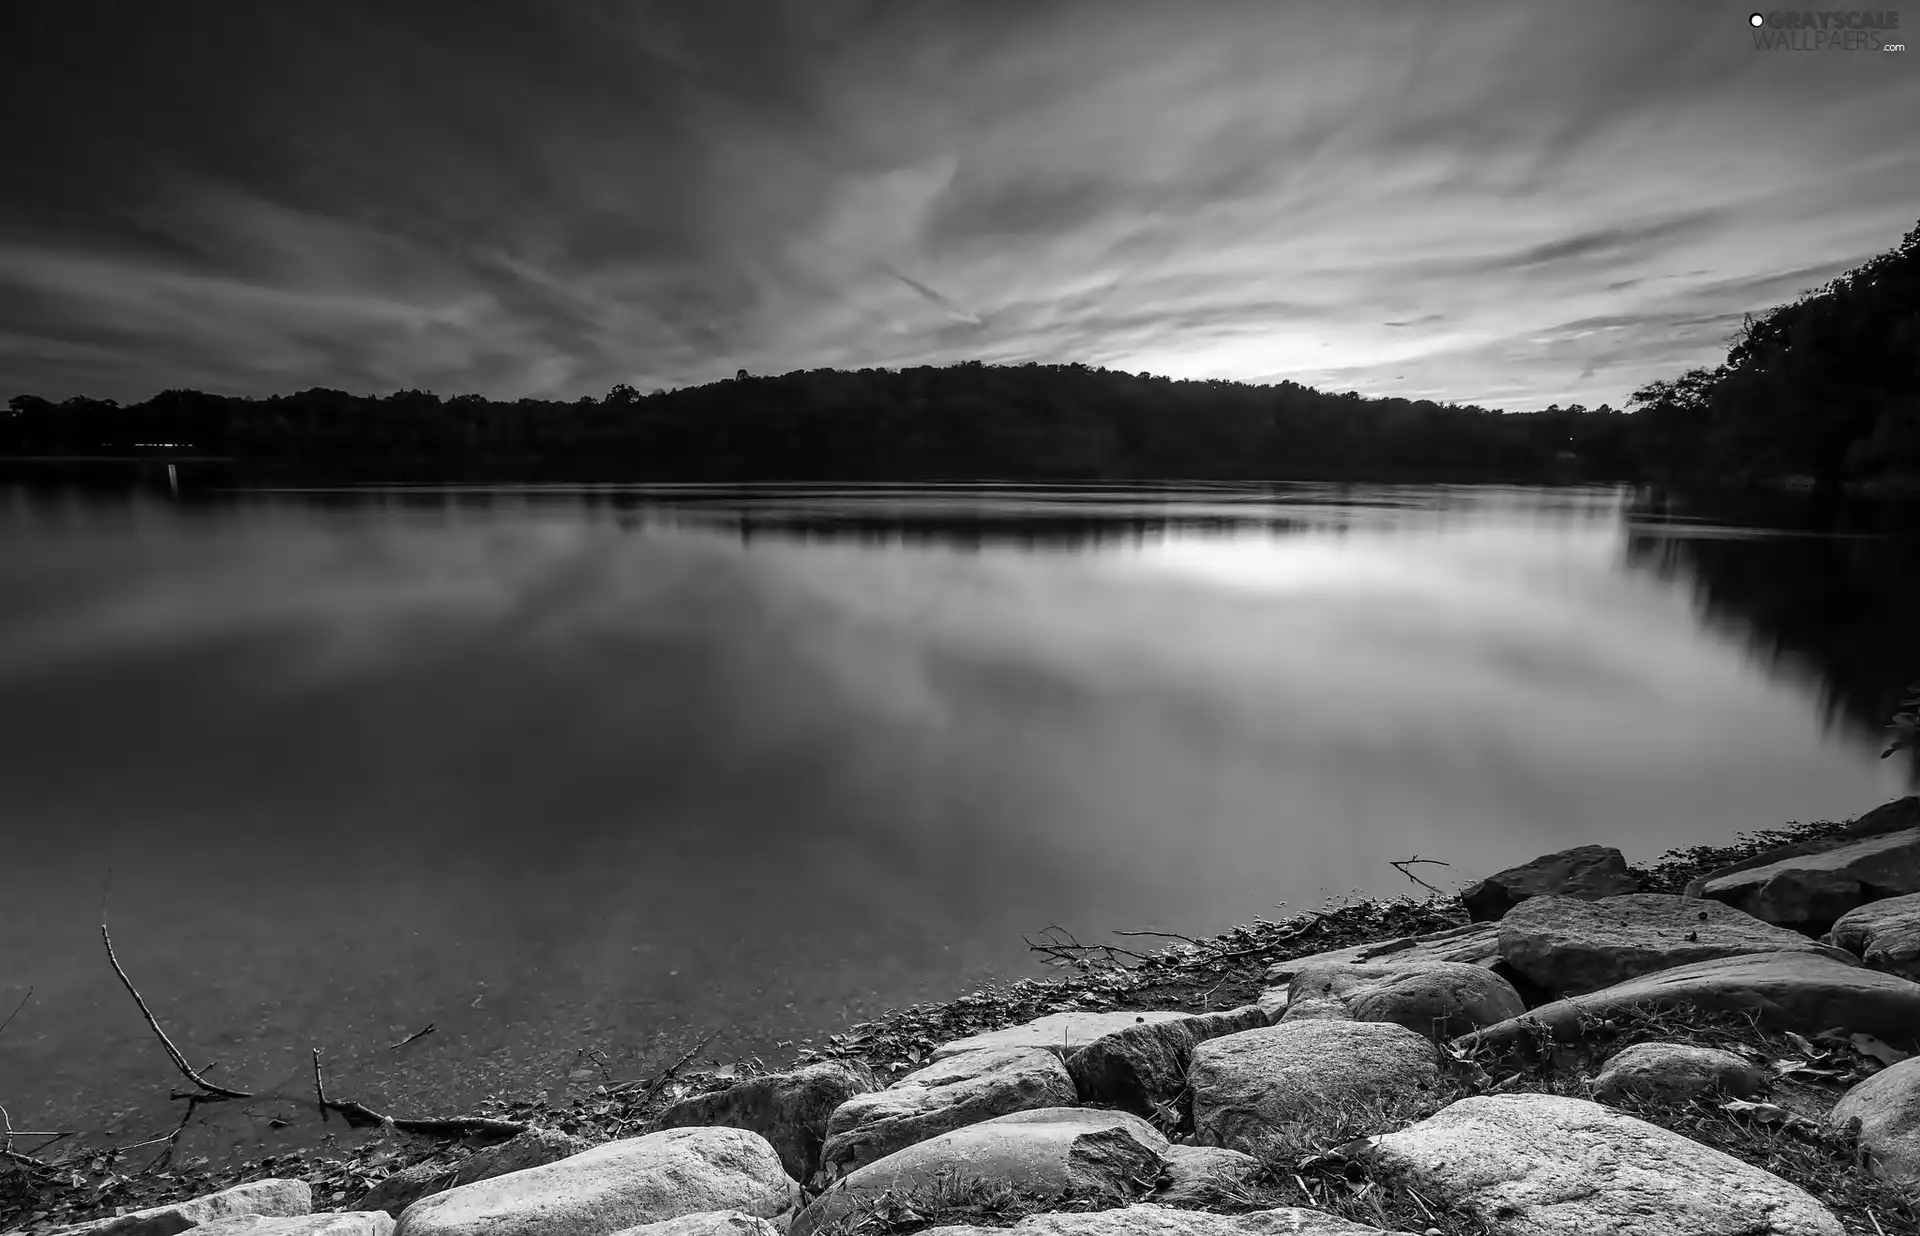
x=616, y=1185
x=273, y=1198
x=706, y=1223
x=1897, y=816
x=1888, y=1108
x=1676, y=1072
x=1544, y=1165
x=341, y=1223
x=1568, y=947
x=1883, y=934
x=950, y=1094
x=1150, y=1219
x=1814, y=890
x=1804, y=992
x=1204, y=1175
x=1439, y=999
x=410, y=1184
x=1248, y=1086
x=1583, y=871
x=791, y=1110
x=1060, y=1033
x=1475, y=944
x=1143, y=1068
x=1051, y=1155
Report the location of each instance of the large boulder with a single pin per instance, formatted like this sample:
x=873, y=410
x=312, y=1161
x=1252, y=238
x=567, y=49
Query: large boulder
x=408, y=1185
x=1811, y=891
x=616, y=1185
x=1568, y=947
x=1054, y=1155
x=1887, y=1105
x=1305, y=1075
x=1805, y=992
x=1205, y=1175
x=272, y=1198
x=1152, y=1219
x=1544, y=1165
x=706, y=1223
x=1143, y=1068
x=1439, y=999
x=1675, y=1072
x=791, y=1110
x=338, y=1223
x=1060, y=1033
x=1884, y=934
x=1897, y=816
x=946, y=1095
x=1583, y=871
x=1475, y=944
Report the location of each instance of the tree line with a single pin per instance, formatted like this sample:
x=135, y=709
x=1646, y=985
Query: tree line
x=1827, y=387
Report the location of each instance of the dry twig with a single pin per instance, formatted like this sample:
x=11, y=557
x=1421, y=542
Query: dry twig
x=417, y=1034
x=211, y=1090
x=1403, y=865
x=16, y=1011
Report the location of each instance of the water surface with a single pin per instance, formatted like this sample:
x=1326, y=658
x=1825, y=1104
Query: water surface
x=573, y=768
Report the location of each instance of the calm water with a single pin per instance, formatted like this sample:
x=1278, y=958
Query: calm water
x=564, y=769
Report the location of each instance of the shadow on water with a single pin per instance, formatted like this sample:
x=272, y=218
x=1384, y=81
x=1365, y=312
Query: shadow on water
x=1831, y=588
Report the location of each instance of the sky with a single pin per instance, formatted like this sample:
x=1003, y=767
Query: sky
x=1505, y=204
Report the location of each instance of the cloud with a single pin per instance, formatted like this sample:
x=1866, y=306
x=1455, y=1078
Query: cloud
x=527, y=201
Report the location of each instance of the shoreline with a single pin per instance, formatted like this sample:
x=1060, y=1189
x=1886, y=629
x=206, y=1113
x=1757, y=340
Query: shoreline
x=1186, y=975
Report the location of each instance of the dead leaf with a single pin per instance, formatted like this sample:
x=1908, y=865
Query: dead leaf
x=1867, y=1045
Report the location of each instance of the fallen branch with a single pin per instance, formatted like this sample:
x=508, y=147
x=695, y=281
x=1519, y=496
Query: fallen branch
x=1071, y=952
x=16, y=1011
x=1402, y=865
x=417, y=1034
x=659, y=1083
x=360, y=1116
x=179, y=1061
x=7, y=1151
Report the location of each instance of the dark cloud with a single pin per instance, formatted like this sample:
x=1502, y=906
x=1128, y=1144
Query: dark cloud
x=549, y=199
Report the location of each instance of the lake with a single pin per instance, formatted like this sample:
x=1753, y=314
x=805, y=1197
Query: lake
x=600, y=767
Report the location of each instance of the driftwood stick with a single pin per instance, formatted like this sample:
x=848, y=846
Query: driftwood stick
x=7, y=1152
x=360, y=1116
x=417, y=1034
x=16, y=1011
x=1404, y=865
x=659, y=1083
x=173, y=1053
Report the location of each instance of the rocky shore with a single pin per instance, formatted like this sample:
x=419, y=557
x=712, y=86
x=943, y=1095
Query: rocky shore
x=1721, y=1043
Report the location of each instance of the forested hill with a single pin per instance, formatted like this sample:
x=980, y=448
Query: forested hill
x=1827, y=387
x=965, y=420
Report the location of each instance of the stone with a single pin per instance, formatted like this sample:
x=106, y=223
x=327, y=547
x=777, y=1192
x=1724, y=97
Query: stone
x=1439, y=999
x=1583, y=871
x=1204, y=1175
x=1060, y=1033
x=1143, y=1068
x=1675, y=1072
x=616, y=1185
x=272, y=1198
x=341, y=1223
x=706, y=1223
x=1897, y=816
x=1545, y=1165
x=410, y=1184
x=403, y=1188
x=1568, y=947
x=1151, y=1219
x=1811, y=891
x=1883, y=934
x=1888, y=1108
x=1804, y=992
x=791, y=1110
x=1475, y=944
x=950, y=1094
x=1052, y=1155
x=1310, y=1074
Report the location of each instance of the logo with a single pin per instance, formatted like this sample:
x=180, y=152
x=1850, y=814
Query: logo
x=1824, y=29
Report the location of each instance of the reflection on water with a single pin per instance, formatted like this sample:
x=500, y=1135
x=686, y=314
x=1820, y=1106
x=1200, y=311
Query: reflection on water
x=567, y=768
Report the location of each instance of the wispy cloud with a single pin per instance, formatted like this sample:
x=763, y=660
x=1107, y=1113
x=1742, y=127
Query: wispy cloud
x=1510, y=204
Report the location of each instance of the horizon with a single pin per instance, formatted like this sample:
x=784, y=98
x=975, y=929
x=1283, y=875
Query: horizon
x=1491, y=205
